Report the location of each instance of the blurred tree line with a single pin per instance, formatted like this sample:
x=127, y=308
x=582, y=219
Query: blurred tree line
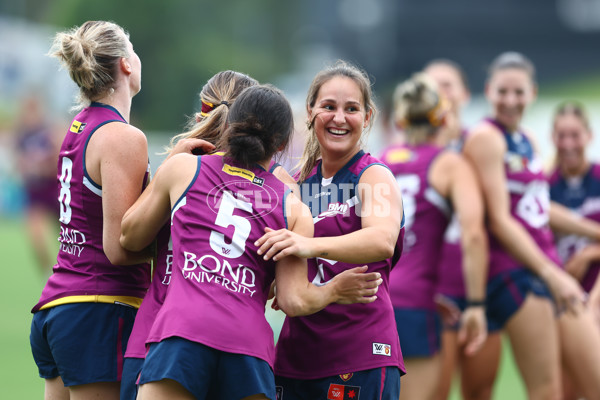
x=182, y=44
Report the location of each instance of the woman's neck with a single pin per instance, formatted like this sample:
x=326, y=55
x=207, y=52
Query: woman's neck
x=512, y=128
x=120, y=100
x=265, y=164
x=332, y=163
x=574, y=172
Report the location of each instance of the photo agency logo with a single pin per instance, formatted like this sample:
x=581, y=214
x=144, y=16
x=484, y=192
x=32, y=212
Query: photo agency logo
x=252, y=200
x=347, y=199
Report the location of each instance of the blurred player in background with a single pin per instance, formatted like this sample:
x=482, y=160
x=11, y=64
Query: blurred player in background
x=37, y=144
x=524, y=267
x=575, y=183
x=477, y=370
x=452, y=82
x=434, y=181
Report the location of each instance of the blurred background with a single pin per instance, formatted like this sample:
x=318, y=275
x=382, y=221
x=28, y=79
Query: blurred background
x=183, y=43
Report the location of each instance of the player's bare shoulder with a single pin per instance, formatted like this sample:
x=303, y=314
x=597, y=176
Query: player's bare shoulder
x=124, y=134
x=483, y=138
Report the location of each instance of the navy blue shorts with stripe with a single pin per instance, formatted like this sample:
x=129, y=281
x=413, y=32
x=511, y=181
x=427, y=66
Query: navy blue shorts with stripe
x=505, y=294
x=419, y=331
x=207, y=373
x=81, y=342
x=507, y=291
x=376, y=384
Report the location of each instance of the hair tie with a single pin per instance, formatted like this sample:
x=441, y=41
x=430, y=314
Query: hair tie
x=437, y=114
x=225, y=102
x=206, y=108
x=434, y=117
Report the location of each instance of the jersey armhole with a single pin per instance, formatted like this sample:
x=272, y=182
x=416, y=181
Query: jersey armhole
x=283, y=204
x=274, y=167
x=87, y=180
x=179, y=200
x=362, y=171
x=432, y=195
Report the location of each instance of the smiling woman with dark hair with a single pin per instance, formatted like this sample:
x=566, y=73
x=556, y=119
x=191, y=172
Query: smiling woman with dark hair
x=211, y=328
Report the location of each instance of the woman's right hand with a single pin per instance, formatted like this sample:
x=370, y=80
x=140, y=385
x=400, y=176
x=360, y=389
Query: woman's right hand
x=356, y=285
x=190, y=145
x=567, y=293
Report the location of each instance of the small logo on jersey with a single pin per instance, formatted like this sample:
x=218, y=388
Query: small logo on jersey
x=120, y=303
x=516, y=162
x=333, y=209
x=225, y=251
x=243, y=173
x=77, y=127
x=346, y=377
x=382, y=349
x=399, y=156
x=278, y=392
x=343, y=392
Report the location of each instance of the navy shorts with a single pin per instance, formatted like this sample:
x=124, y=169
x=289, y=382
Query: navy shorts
x=419, y=331
x=81, y=342
x=207, y=373
x=371, y=384
x=507, y=291
x=131, y=372
x=461, y=304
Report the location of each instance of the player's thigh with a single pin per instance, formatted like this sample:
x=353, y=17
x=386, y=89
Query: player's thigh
x=166, y=389
x=478, y=372
x=534, y=340
x=580, y=351
x=98, y=390
x=422, y=378
x=55, y=389
x=449, y=359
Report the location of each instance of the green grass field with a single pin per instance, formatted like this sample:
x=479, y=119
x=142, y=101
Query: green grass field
x=21, y=286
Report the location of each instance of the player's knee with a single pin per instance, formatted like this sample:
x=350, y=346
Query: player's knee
x=550, y=390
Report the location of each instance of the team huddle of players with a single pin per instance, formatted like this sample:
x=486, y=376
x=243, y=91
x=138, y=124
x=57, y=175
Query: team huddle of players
x=410, y=262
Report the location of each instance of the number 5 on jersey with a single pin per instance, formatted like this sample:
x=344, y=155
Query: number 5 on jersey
x=225, y=218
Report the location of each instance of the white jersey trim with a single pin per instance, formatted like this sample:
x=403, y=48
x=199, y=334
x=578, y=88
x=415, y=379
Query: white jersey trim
x=88, y=184
x=517, y=187
x=432, y=196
